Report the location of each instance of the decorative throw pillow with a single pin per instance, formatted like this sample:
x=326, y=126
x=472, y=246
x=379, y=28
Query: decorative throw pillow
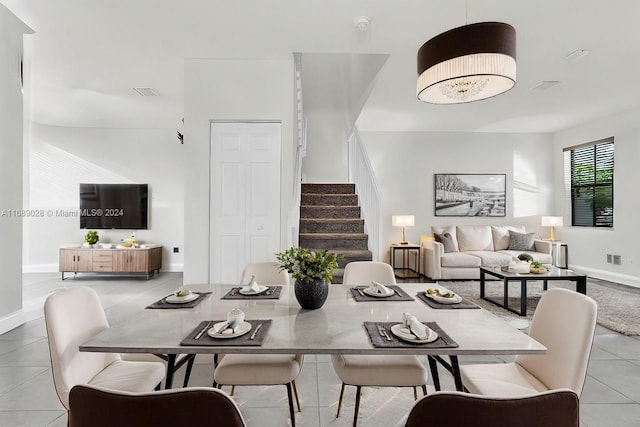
x=447, y=241
x=521, y=241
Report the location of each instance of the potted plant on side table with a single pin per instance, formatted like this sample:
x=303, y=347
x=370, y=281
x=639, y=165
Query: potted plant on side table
x=312, y=271
x=91, y=238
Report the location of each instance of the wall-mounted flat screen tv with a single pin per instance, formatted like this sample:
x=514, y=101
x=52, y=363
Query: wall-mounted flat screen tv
x=114, y=206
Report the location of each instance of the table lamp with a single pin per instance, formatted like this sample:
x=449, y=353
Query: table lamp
x=403, y=221
x=552, y=221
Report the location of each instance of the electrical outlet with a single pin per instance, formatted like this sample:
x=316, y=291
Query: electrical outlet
x=176, y=250
x=617, y=259
x=609, y=258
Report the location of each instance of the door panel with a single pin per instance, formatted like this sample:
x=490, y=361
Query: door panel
x=245, y=197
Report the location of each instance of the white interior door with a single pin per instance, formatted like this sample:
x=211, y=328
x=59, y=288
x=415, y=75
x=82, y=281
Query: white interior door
x=245, y=197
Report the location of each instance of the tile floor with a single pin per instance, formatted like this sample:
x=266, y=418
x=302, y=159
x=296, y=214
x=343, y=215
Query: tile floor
x=27, y=398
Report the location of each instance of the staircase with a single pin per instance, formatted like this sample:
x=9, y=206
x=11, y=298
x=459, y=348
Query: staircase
x=330, y=219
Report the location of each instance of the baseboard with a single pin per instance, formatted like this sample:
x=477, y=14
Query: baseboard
x=611, y=276
x=19, y=317
x=40, y=268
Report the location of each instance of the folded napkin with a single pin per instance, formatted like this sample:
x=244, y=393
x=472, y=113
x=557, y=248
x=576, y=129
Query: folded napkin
x=182, y=292
x=416, y=327
x=379, y=288
x=254, y=287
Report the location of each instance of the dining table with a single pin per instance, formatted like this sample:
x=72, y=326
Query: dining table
x=338, y=327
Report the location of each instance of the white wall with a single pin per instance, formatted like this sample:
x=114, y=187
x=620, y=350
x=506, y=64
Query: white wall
x=588, y=246
x=11, y=154
x=230, y=90
x=405, y=162
x=335, y=88
x=60, y=158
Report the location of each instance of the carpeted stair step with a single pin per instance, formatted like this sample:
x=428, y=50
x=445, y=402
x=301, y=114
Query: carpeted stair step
x=332, y=225
x=335, y=241
x=329, y=188
x=329, y=212
x=313, y=199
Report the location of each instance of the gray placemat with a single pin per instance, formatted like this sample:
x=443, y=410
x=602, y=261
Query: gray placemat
x=272, y=293
x=465, y=303
x=243, y=340
x=443, y=341
x=161, y=303
x=361, y=297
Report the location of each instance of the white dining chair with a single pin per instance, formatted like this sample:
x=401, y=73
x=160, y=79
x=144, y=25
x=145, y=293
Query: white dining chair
x=565, y=323
x=261, y=369
x=375, y=370
x=72, y=316
x=266, y=273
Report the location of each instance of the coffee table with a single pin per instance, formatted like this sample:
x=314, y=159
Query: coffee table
x=553, y=273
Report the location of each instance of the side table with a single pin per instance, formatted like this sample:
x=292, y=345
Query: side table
x=405, y=271
x=560, y=254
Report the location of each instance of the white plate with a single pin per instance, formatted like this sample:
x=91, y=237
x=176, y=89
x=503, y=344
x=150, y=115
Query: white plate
x=247, y=290
x=241, y=330
x=373, y=293
x=172, y=299
x=454, y=300
x=402, y=332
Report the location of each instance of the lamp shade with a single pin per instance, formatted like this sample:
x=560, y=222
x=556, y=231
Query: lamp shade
x=552, y=221
x=402, y=220
x=468, y=63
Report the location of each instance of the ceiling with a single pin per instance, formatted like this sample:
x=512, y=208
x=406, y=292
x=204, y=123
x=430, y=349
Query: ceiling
x=86, y=57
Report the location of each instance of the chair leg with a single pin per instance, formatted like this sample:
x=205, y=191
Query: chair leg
x=292, y=413
x=424, y=390
x=295, y=394
x=355, y=414
x=187, y=373
x=340, y=400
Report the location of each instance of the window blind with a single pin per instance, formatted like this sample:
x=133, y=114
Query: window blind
x=590, y=168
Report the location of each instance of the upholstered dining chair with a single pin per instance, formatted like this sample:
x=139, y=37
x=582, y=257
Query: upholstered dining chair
x=266, y=273
x=375, y=370
x=546, y=409
x=72, y=316
x=261, y=369
x=92, y=406
x=180, y=360
x=565, y=323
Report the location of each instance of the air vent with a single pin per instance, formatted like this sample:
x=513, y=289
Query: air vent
x=546, y=84
x=145, y=91
x=577, y=54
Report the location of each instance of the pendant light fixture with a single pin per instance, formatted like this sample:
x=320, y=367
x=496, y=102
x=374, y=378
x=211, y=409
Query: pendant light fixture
x=469, y=63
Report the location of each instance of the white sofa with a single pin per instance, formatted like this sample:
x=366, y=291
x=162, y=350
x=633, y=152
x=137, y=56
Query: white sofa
x=475, y=247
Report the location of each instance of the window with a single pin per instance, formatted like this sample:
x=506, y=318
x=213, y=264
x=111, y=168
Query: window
x=589, y=176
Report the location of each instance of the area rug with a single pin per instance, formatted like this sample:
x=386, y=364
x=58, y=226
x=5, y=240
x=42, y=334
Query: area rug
x=618, y=306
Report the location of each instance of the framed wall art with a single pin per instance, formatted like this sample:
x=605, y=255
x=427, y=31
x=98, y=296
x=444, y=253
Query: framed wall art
x=466, y=194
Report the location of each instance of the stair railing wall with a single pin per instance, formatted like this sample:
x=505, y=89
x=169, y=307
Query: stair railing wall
x=301, y=152
x=361, y=174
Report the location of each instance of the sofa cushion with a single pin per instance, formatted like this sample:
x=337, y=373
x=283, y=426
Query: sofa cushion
x=451, y=230
x=500, y=235
x=447, y=241
x=459, y=259
x=521, y=241
x=490, y=258
x=540, y=257
x=474, y=238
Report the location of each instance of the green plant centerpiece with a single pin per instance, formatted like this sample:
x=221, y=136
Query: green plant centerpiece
x=91, y=237
x=312, y=271
x=537, y=268
x=525, y=257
